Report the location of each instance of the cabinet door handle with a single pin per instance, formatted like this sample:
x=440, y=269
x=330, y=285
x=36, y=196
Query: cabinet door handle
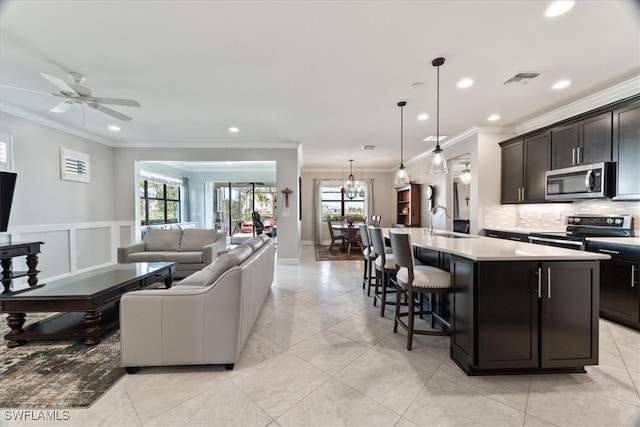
x=633, y=276
x=549, y=282
x=573, y=156
x=578, y=155
x=539, y=282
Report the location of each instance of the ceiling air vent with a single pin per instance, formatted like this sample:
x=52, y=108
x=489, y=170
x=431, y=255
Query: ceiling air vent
x=368, y=147
x=522, y=78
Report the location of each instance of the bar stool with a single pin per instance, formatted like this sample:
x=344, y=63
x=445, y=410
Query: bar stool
x=385, y=268
x=415, y=280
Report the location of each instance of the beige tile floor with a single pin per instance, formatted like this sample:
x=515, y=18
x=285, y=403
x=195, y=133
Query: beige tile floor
x=320, y=355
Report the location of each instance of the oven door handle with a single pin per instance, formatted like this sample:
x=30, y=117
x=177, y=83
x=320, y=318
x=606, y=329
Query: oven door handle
x=533, y=239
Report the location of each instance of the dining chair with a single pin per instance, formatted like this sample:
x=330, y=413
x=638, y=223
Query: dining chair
x=386, y=269
x=415, y=281
x=335, y=237
x=352, y=238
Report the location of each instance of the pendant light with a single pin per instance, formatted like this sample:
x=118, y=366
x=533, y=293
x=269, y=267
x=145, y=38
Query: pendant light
x=466, y=175
x=438, y=162
x=402, y=176
x=350, y=188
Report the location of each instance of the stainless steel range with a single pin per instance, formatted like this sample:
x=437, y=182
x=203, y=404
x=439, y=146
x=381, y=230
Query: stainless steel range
x=579, y=227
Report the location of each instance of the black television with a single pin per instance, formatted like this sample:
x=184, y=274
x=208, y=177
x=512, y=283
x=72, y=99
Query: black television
x=7, y=186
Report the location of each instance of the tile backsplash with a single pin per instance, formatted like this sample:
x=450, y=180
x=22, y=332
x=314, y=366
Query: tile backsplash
x=551, y=216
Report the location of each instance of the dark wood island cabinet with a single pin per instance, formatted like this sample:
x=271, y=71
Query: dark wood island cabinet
x=515, y=307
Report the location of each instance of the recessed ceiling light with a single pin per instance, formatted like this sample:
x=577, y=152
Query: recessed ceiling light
x=559, y=7
x=465, y=83
x=423, y=116
x=493, y=117
x=234, y=129
x=114, y=128
x=561, y=84
x=432, y=138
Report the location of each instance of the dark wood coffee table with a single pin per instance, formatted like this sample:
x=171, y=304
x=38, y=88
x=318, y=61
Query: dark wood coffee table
x=88, y=303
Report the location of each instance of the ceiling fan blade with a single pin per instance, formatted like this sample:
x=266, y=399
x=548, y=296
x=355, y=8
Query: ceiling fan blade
x=26, y=90
x=118, y=101
x=109, y=111
x=59, y=84
x=62, y=107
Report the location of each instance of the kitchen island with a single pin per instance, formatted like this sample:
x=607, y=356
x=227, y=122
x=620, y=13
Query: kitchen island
x=515, y=307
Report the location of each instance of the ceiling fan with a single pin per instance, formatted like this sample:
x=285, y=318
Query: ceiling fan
x=82, y=95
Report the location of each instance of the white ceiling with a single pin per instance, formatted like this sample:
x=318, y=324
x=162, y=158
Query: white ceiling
x=324, y=74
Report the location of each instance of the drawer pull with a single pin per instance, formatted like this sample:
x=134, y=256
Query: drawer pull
x=549, y=282
x=633, y=276
x=608, y=251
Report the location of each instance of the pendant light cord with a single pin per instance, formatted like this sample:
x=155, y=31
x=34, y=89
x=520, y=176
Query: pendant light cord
x=401, y=135
x=438, y=107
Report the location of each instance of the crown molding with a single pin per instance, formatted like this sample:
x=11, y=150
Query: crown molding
x=41, y=120
x=220, y=145
x=615, y=93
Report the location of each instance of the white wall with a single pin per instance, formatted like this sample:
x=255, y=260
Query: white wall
x=76, y=221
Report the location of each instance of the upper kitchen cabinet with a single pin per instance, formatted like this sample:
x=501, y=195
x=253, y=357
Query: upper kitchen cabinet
x=626, y=151
x=524, y=163
x=584, y=142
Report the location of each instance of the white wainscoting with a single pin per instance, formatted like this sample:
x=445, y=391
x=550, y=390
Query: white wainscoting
x=71, y=248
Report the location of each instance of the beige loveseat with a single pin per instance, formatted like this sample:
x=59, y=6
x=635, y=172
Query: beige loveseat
x=205, y=318
x=191, y=249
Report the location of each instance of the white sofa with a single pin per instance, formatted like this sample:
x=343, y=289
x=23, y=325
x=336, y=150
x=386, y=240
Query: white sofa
x=205, y=318
x=190, y=249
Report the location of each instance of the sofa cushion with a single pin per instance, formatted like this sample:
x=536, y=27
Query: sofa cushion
x=163, y=240
x=196, y=239
x=240, y=253
x=254, y=243
x=184, y=257
x=265, y=238
x=156, y=256
x=199, y=278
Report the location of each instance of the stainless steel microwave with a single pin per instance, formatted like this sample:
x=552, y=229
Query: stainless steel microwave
x=579, y=182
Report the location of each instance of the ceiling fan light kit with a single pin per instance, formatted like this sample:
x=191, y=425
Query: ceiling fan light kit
x=438, y=162
x=402, y=176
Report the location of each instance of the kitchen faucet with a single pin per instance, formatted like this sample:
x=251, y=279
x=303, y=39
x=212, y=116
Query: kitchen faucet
x=432, y=212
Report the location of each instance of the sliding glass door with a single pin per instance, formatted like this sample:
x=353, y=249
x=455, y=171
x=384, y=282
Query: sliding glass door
x=233, y=204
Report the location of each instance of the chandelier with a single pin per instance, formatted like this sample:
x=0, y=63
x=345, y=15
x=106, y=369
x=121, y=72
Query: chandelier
x=466, y=175
x=351, y=187
x=438, y=162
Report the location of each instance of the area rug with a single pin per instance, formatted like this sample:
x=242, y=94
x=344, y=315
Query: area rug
x=324, y=254
x=57, y=373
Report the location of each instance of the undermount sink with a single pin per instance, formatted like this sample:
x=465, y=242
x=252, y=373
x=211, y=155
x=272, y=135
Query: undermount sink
x=452, y=236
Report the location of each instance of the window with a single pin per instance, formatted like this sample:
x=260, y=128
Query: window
x=159, y=199
x=74, y=166
x=5, y=153
x=335, y=204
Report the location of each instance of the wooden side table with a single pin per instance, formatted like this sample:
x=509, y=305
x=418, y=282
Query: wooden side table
x=12, y=250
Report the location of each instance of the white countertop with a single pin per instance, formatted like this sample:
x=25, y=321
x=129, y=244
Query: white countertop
x=480, y=248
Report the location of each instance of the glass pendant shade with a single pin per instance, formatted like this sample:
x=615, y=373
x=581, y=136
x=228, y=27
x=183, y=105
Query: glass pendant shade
x=466, y=175
x=438, y=161
x=402, y=176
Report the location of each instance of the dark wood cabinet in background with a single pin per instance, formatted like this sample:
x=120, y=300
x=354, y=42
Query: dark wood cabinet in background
x=408, y=205
x=626, y=151
x=524, y=316
x=524, y=164
x=584, y=142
